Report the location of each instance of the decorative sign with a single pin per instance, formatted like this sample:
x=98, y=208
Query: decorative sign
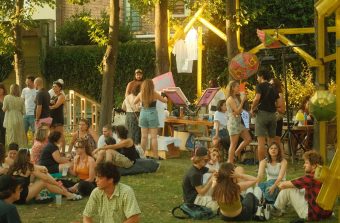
x=163, y=81
x=207, y=96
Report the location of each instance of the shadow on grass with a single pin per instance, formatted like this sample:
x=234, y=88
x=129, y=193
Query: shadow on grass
x=157, y=194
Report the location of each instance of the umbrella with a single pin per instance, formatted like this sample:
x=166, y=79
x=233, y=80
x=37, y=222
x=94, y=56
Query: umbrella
x=243, y=65
x=268, y=40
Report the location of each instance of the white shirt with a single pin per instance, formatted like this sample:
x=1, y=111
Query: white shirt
x=101, y=140
x=160, y=107
x=29, y=95
x=221, y=118
x=191, y=44
x=183, y=64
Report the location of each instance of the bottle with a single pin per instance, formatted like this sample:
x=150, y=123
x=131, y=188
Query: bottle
x=305, y=118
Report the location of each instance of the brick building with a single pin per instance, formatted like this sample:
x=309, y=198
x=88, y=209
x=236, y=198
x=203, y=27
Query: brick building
x=140, y=25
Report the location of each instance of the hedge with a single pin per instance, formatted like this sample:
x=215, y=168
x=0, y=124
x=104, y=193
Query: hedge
x=78, y=67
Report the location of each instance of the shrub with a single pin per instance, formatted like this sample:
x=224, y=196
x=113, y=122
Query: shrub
x=6, y=66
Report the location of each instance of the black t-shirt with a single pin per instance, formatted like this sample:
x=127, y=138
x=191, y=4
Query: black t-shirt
x=8, y=213
x=268, y=97
x=192, y=179
x=130, y=153
x=43, y=99
x=46, y=158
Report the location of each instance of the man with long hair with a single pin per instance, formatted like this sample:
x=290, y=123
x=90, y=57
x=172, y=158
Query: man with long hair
x=303, y=201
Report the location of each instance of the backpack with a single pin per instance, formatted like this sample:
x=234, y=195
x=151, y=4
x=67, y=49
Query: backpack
x=194, y=211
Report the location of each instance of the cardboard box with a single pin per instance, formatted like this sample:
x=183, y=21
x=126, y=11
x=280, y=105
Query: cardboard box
x=172, y=152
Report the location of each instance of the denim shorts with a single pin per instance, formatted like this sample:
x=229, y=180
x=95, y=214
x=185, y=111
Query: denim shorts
x=29, y=121
x=148, y=118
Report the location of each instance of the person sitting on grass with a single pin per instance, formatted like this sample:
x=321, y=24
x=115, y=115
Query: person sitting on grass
x=122, y=154
x=3, y=167
x=275, y=167
x=11, y=154
x=227, y=188
x=303, y=201
x=194, y=191
x=39, y=143
x=51, y=157
x=83, y=168
x=112, y=201
x=24, y=170
x=10, y=189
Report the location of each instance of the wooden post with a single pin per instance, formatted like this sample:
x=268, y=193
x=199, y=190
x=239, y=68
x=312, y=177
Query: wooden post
x=199, y=61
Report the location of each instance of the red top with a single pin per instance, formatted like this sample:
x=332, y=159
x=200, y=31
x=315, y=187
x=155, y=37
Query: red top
x=312, y=188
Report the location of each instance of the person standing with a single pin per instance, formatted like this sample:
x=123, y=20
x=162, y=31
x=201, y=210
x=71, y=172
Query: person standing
x=14, y=108
x=111, y=195
x=132, y=116
x=42, y=102
x=28, y=94
x=137, y=81
x=234, y=124
x=57, y=112
x=3, y=93
x=148, y=119
x=265, y=105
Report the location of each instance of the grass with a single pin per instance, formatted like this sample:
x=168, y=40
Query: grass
x=157, y=194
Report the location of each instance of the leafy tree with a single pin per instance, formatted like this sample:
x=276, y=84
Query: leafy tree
x=74, y=31
x=82, y=29
x=16, y=16
x=108, y=64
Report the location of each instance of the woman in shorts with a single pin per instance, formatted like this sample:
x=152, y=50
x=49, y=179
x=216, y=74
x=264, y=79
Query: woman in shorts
x=148, y=119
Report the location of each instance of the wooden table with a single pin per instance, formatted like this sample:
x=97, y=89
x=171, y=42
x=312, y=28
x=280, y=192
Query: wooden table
x=300, y=137
x=170, y=122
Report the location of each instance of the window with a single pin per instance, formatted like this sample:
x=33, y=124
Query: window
x=131, y=17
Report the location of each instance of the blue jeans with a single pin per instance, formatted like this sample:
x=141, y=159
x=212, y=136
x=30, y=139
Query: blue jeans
x=29, y=121
x=148, y=118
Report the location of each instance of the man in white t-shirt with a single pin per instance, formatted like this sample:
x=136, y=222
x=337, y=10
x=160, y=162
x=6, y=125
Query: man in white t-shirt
x=107, y=132
x=28, y=94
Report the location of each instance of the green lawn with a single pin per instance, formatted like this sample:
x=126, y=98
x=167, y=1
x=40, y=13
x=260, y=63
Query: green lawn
x=157, y=194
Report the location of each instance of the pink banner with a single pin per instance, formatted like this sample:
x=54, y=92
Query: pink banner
x=163, y=81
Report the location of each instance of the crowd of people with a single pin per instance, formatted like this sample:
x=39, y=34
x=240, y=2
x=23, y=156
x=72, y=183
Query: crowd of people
x=94, y=161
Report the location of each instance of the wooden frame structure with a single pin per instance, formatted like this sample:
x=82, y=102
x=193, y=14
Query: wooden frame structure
x=324, y=8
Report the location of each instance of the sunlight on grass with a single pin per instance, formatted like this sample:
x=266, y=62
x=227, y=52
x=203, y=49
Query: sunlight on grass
x=156, y=193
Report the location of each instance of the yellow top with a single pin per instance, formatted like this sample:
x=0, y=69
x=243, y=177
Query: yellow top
x=232, y=207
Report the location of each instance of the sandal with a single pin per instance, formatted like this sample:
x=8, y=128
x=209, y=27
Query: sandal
x=75, y=197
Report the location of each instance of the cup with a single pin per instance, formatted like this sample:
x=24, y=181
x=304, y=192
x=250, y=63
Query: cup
x=58, y=199
x=64, y=171
x=242, y=95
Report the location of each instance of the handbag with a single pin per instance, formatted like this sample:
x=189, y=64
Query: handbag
x=262, y=213
x=193, y=211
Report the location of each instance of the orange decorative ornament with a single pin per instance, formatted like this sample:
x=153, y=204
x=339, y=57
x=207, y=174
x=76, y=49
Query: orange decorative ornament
x=243, y=66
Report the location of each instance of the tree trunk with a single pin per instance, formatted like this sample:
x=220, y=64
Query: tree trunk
x=161, y=37
x=19, y=61
x=232, y=49
x=109, y=65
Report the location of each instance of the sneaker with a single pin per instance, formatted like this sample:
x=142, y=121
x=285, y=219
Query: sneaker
x=275, y=212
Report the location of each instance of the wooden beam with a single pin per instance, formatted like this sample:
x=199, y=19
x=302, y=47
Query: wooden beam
x=310, y=60
x=213, y=28
x=291, y=31
x=257, y=48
